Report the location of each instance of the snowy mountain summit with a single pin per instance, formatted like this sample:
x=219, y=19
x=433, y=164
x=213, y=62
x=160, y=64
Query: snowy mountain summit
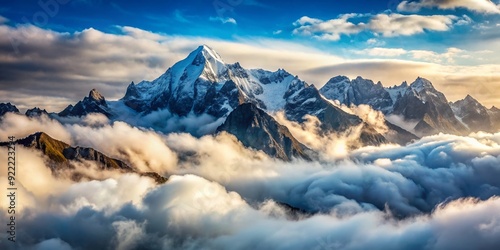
x=204, y=83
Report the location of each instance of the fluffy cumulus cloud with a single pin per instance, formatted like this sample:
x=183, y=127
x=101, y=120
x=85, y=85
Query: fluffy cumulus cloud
x=326, y=30
x=388, y=25
x=480, y=6
x=441, y=192
x=405, y=25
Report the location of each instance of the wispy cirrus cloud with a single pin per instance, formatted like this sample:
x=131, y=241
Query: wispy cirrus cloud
x=223, y=20
x=449, y=56
x=382, y=52
x=179, y=16
x=479, y=6
x=3, y=19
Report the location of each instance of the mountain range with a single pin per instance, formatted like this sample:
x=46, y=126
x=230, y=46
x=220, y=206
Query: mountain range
x=243, y=102
x=423, y=109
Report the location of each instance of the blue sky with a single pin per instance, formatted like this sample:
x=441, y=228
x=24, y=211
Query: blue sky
x=227, y=19
x=456, y=44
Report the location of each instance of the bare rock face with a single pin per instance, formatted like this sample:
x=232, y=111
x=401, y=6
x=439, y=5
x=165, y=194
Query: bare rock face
x=258, y=130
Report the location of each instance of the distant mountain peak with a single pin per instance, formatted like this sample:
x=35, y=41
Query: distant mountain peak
x=205, y=54
x=35, y=112
x=469, y=98
x=93, y=103
x=472, y=113
x=94, y=95
x=7, y=108
x=339, y=78
x=208, y=51
x=422, y=84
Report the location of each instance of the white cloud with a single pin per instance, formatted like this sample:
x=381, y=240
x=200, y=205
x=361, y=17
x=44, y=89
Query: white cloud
x=277, y=32
x=388, y=25
x=480, y=6
x=179, y=16
x=3, y=19
x=223, y=20
x=375, y=42
x=382, y=52
x=466, y=20
x=406, y=25
x=448, y=57
x=326, y=30
x=394, y=197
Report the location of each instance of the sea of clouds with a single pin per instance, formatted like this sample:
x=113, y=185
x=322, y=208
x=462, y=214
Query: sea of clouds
x=440, y=192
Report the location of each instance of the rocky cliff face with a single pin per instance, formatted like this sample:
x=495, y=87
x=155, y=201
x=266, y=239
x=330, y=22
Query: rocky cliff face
x=258, y=130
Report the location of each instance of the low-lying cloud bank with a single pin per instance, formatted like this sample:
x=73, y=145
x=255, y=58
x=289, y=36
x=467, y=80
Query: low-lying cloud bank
x=440, y=192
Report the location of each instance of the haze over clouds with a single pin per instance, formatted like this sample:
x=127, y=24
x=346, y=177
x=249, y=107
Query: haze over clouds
x=439, y=192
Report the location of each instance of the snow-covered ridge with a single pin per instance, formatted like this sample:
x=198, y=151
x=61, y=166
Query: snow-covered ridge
x=203, y=69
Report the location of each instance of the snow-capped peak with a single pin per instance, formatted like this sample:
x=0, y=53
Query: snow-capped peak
x=421, y=84
x=339, y=79
x=209, y=53
x=469, y=103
